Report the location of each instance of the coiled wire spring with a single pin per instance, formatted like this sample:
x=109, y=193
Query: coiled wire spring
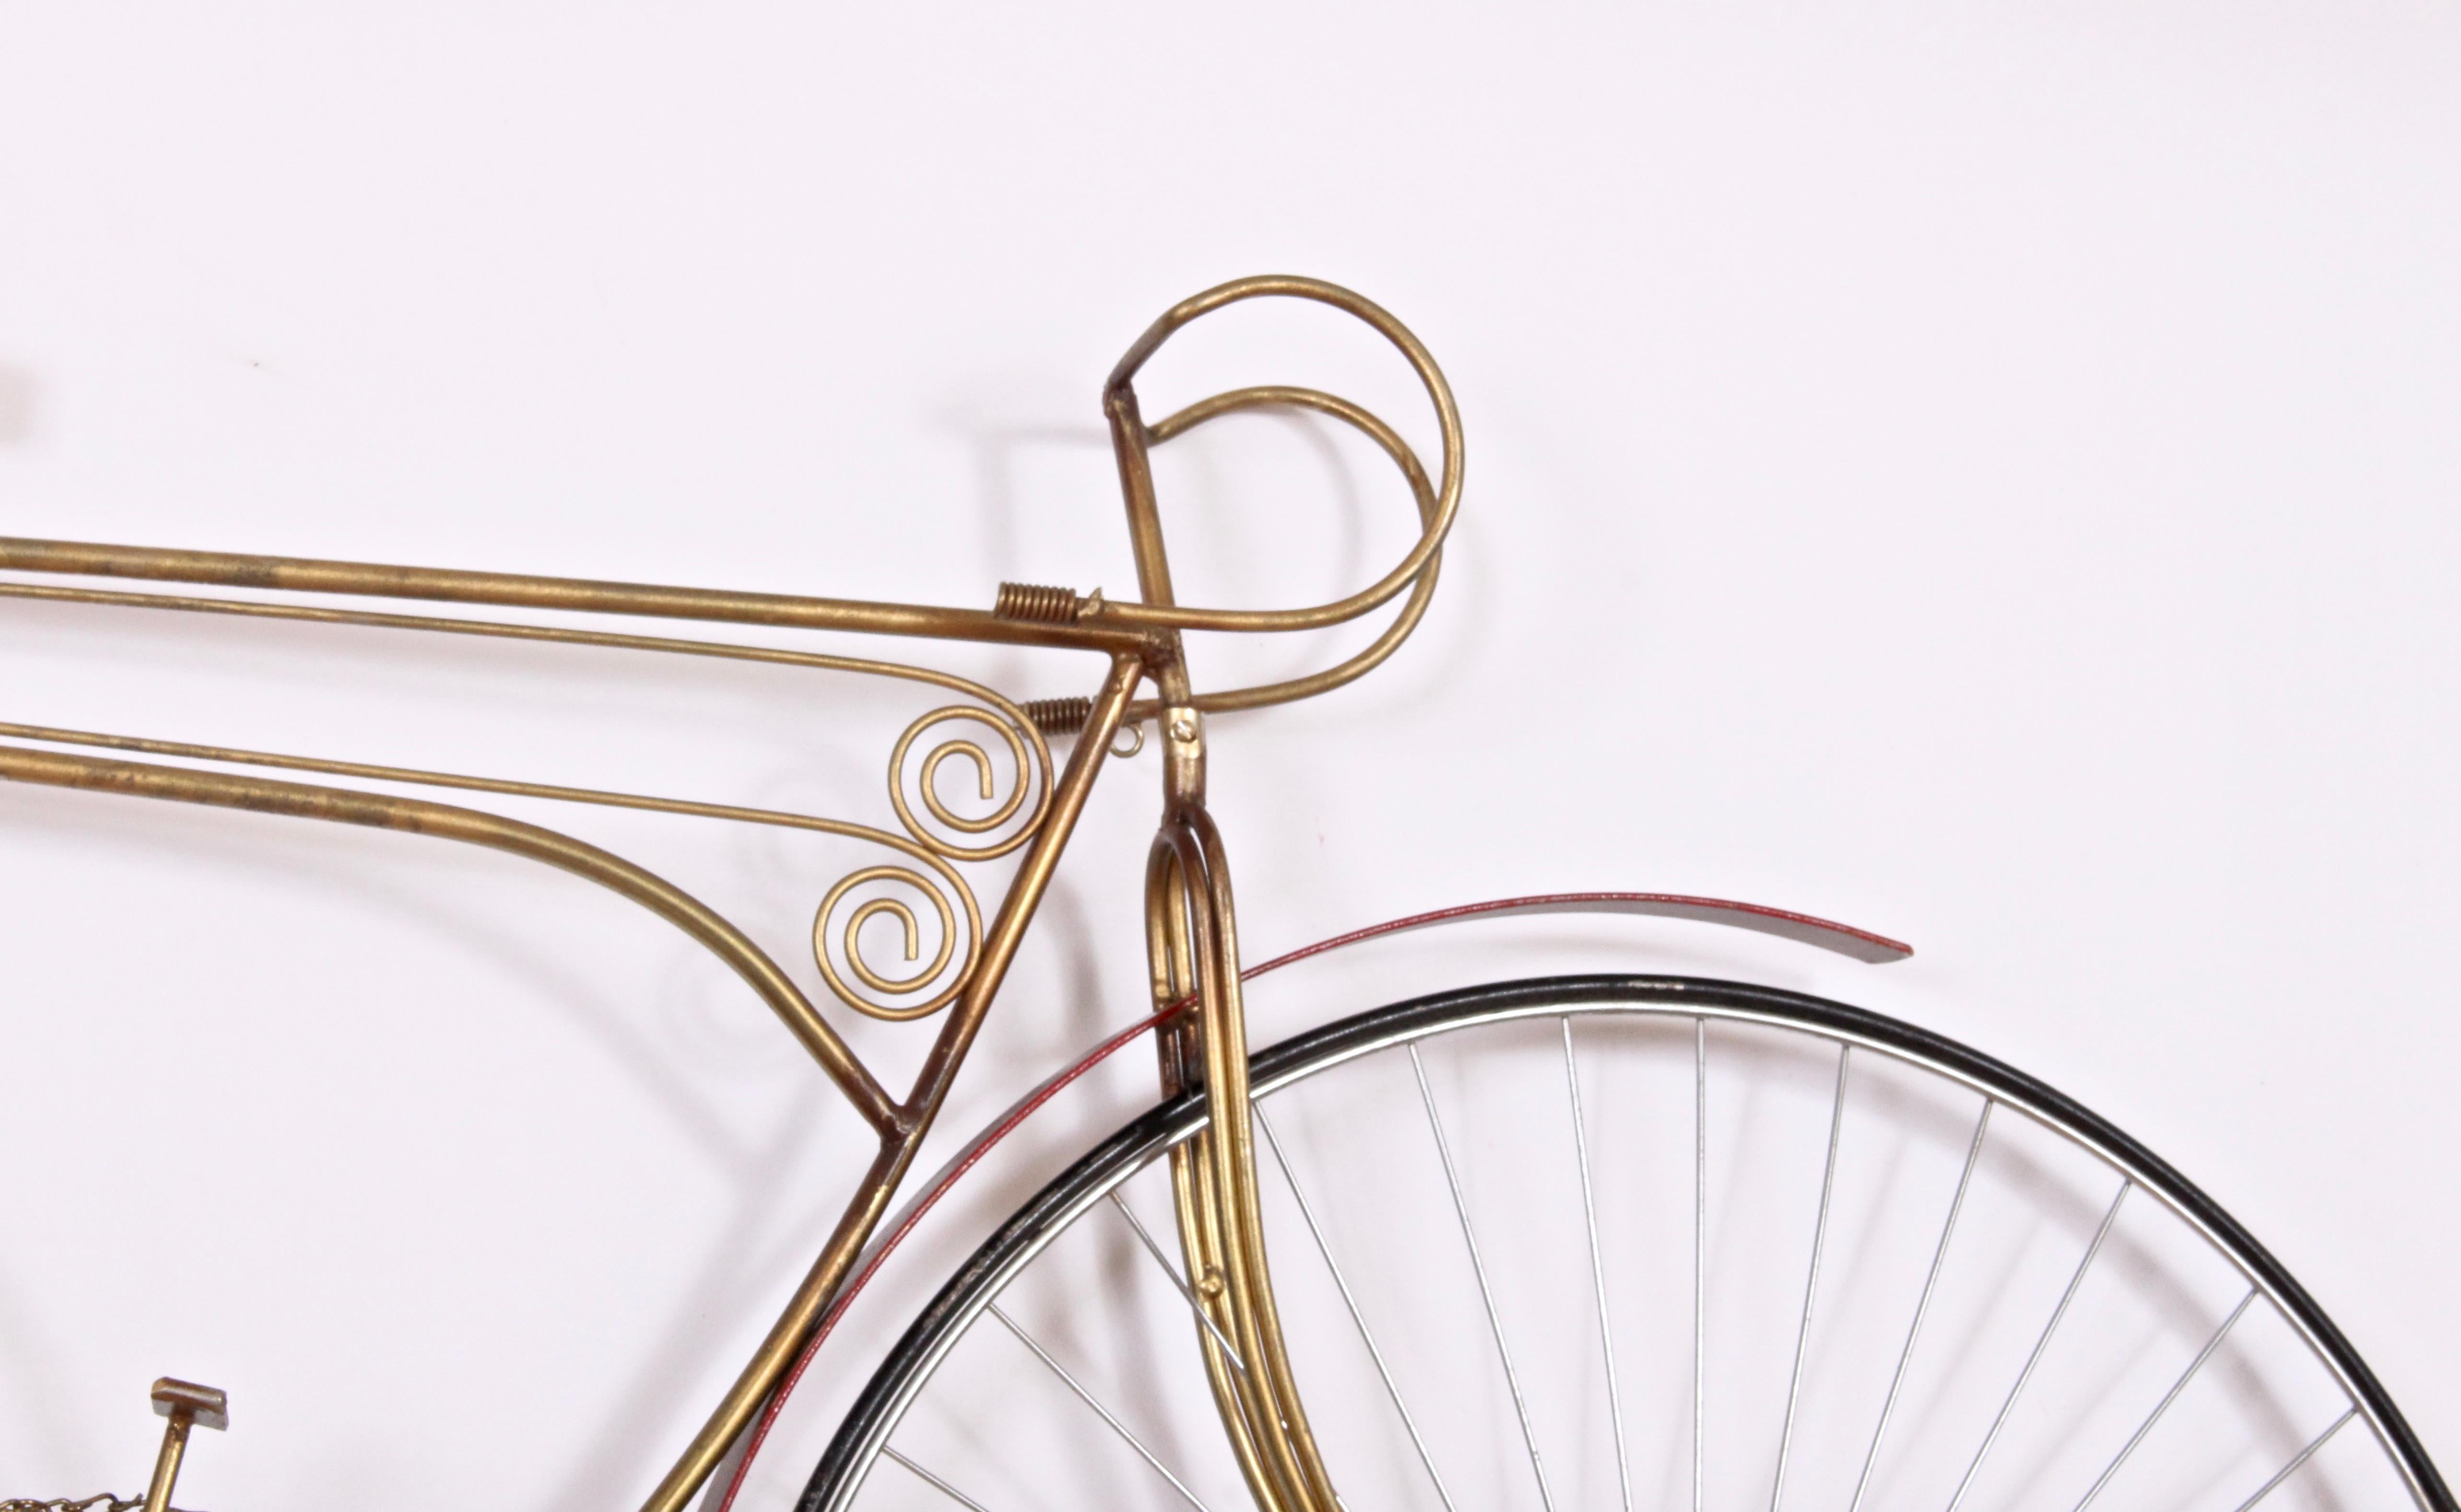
x=1058, y=716
x=1036, y=602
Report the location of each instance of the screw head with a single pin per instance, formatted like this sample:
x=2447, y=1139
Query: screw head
x=1183, y=728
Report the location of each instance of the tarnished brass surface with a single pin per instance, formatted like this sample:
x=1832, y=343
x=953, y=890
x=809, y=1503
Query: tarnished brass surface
x=794, y=1327
x=186, y=1405
x=845, y=936
x=1190, y=915
x=444, y=822
x=1192, y=934
x=205, y=1406
x=1131, y=438
x=503, y=630
x=509, y=589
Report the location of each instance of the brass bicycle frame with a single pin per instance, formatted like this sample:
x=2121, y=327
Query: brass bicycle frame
x=1190, y=920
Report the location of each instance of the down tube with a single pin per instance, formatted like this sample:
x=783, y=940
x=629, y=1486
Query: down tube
x=821, y=1285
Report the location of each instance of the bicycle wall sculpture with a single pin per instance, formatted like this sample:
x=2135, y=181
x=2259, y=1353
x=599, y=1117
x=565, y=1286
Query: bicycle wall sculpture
x=1295, y=1448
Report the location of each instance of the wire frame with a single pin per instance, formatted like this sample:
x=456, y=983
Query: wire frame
x=920, y=892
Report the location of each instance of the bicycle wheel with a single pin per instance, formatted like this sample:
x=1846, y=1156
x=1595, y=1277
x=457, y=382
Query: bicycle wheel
x=1650, y=1242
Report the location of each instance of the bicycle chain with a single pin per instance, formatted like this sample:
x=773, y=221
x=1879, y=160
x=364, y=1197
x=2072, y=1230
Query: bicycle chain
x=104, y=1502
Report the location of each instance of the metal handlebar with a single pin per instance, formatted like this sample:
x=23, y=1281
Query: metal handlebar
x=1132, y=441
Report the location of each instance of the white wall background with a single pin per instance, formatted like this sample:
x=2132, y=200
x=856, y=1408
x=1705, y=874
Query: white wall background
x=1986, y=474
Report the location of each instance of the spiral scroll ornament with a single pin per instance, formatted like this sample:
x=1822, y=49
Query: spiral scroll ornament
x=1029, y=772
x=840, y=921
x=905, y=894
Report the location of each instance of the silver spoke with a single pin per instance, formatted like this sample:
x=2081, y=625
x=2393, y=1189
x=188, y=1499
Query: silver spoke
x=2127, y=1185
x=2298, y=1460
x=1922, y=1307
x=1478, y=1267
x=2106, y=1358
x=1811, y=1282
x=2177, y=1387
x=945, y=1488
x=1598, y=1265
x=1194, y=1303
x=1100, y=1411
x=1307, y=1212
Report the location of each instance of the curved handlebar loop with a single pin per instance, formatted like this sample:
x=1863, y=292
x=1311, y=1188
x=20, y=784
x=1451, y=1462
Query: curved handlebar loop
x=1131, y=438
x=1423, y=588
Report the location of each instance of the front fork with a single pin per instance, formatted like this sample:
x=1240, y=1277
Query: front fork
x=1192, y=943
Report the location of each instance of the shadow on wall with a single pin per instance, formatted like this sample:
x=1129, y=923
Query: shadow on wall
x=18, y=390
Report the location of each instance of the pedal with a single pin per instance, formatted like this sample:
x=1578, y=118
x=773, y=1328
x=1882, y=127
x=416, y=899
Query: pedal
x=187, y=1405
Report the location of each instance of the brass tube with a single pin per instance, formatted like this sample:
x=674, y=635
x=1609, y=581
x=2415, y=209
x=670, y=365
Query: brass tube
x=1170, y=953
x=532, y=841
x=1191, y=914
x=373, y=580
x=166, y=1463
x=810, y=1304
x=1025, y=891
x=1129, y=440
x=1118, y=402
x=1234, y=1399
x=503, y=630
x=1422, y=591
x=423, y=778
x=1280, y=1419
x=921, y=855
x=1191, y=938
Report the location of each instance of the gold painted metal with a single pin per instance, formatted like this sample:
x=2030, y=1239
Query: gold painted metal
x=1190, y=920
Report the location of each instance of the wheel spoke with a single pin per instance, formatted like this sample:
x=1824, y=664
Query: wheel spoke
x=1871, y=1276
x=2298, y=1460
x=1307, y=1212
x=944, y=1487
x=1922, y=1307
x=2177, y=1387
x=1811, y=1280
x=2127, y=1185
x=1194, y=1303
x=1478, y=1267
x=1100, y=1411
x=1598, y=1266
